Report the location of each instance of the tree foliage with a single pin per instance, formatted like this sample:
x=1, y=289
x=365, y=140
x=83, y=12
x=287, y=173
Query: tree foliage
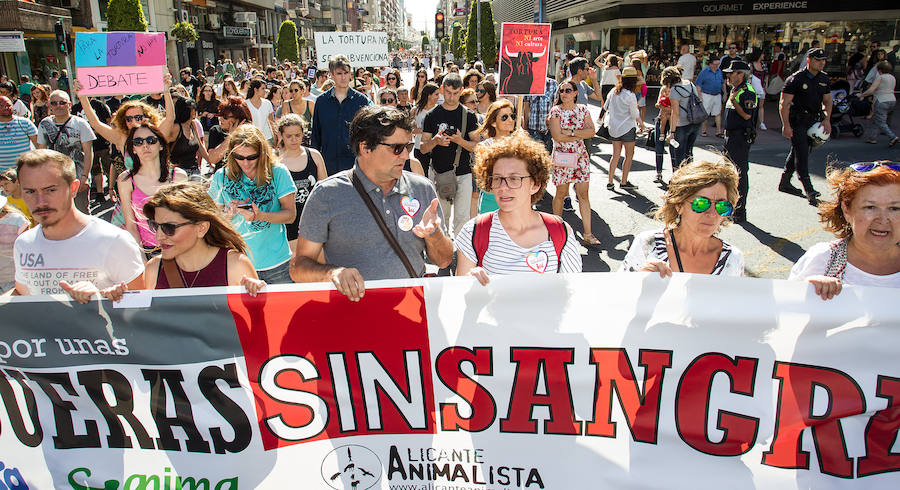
x=425, y=43
x=125, y=15
x=184, y=32
x=288, y=45
x=488, y=53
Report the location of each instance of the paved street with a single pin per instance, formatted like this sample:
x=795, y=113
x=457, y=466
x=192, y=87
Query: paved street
x=779, y=229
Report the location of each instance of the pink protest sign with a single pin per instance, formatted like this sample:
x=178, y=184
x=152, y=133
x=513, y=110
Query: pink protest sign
x=115, y=80
x=151, y=48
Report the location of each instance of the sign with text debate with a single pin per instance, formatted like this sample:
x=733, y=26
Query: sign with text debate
x=113, y=63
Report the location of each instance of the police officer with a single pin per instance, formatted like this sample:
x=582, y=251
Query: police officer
x=802, y=100
x=740, y=128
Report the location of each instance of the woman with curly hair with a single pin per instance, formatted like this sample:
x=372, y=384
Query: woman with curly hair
x=392, y=79
x=515, y=238
x=472, y=79
x=700, y=199
x=130, y=115
x=865, y=217
x=257, y=193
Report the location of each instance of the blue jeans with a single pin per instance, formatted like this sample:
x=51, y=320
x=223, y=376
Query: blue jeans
x=686, y=136
x=879, y=121
x=280, y=274
x=542, y=137
x=661, y=147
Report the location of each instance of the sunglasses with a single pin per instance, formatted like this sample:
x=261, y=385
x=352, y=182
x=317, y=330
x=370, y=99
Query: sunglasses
x=420, y=76
x=702, y=204
x=388, y=101
x=567, y=90
x=506, y=117
x=866, y=167
x=243, y=157
x=137, y=118
x=391, y=78
x=480, y=91
x=397, y=148
x=150, y=140
x=55, y=103
x=512, y=181
x=168, y=229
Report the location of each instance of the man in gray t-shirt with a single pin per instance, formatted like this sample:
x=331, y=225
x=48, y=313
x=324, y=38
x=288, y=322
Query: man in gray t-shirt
x=580, y=72
x=337, y=221
x=71, y=136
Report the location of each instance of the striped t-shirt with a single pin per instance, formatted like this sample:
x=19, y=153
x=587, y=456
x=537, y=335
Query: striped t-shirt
x=504, y=256
x=15, y=138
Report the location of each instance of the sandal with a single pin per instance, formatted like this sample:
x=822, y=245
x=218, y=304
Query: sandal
x=590, y=239
x=703, y=134
x=610, y=186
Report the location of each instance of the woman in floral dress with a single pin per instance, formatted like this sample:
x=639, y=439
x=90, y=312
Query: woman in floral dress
x=570, y=125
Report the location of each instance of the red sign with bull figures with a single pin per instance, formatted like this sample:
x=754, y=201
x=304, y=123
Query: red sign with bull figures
x=524, y=55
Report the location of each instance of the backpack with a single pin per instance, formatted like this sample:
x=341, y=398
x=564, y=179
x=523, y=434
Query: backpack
x=693, y=108
x=481, y=235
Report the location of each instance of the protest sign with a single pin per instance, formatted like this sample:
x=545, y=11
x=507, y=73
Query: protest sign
x=114, y=63
x=361, y=48
x=524, y=54
x=557, y=382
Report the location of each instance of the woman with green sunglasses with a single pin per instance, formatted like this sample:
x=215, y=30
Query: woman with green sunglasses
x=865, y=217
x=700, y=200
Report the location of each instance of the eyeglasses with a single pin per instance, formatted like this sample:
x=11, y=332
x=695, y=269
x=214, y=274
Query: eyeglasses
x=388, y=101
x=168, y=229
x=511, y=181
x=245, y=157
x=567, y=90
x=702, y=204
x=55, y=103
x=866, y=167
x=397, y=148
x=137, y=118
x=506, y=117
x=150, y=140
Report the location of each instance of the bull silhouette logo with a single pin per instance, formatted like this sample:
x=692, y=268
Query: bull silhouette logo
x=517, y=70
x=351, y=467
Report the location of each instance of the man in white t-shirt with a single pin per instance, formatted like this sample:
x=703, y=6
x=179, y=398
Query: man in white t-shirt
x=68, y=251
x=688, y=62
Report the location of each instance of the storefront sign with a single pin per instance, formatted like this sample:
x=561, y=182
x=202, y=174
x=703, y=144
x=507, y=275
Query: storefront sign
x=12, y=41
x=524, y=54
x=234, y=31
x=576, y=21
x=361, y=48
x=120, y=63
x=206, y=44
x=557, y=382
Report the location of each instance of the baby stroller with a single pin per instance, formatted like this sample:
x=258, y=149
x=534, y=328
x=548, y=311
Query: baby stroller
x=843, y=108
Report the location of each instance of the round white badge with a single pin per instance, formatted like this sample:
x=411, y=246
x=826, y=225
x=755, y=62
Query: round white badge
x=405, y=223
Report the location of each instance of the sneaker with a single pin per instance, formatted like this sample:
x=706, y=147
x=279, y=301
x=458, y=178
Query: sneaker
x=658, y=179
x=627, y=186
x=813, y=200
x=762, y=126
x=567, y=204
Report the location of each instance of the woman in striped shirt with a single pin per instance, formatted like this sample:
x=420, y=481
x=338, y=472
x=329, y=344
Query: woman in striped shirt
x=699, y=201
x=515, y=238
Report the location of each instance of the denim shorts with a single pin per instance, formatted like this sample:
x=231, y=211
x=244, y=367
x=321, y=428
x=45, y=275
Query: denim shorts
x=628, y=137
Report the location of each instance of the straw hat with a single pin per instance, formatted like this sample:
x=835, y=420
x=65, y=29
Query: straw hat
x=629, y=71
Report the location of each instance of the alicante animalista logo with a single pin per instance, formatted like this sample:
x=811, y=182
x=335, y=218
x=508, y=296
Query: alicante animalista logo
x=351, y=467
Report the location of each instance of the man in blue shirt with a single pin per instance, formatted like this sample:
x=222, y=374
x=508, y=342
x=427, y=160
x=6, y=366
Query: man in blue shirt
x=331, y=120
x=536, y=108
x=712, y=84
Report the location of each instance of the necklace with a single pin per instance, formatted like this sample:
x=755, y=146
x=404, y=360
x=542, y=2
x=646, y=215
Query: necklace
x=181, y=273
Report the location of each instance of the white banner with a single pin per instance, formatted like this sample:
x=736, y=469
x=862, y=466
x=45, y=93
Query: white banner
x=615, y=380
x=361, y=48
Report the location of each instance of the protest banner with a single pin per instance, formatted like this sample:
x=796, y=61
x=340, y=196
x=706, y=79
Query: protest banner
x=361, y=48
x=557, y=382
x=120, y=63
x=524, y=54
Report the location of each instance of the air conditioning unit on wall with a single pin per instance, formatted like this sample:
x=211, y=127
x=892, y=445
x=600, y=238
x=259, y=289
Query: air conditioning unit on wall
x=245, y=17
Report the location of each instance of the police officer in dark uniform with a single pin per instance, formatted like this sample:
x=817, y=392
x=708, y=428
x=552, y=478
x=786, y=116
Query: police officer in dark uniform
x=740, y=129
x=802, y=100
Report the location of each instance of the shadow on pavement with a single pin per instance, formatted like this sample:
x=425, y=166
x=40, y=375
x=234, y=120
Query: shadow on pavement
x=781, y=246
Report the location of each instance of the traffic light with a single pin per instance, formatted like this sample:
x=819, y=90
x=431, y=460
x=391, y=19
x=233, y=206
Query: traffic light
x=60, y=37
x=439, y=25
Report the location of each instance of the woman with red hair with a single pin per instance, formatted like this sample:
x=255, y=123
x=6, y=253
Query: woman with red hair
x=865, y=217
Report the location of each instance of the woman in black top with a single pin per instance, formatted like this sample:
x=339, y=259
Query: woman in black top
x=207, y=106
x=187, y=147
x=306, y=165
x=233, y=112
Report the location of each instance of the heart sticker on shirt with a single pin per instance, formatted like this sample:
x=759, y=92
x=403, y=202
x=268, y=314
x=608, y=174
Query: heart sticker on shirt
x=410, y=205
x=537, y=261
